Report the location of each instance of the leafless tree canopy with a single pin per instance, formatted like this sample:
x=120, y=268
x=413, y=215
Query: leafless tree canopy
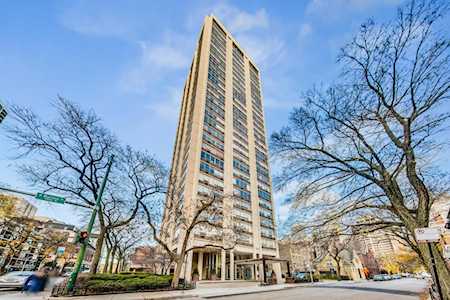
x=69, y=155
x=361, y=150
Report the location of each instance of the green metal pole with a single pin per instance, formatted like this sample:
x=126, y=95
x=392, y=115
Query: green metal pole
x=81, y=254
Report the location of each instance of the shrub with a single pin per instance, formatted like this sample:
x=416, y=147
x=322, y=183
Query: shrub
x=116, y=283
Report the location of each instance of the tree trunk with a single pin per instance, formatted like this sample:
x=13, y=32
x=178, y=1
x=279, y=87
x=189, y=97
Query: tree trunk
x=108, y=253
x=98, y=250
x=443, y=273
x=338, y=270
x=122, y=265
x=111, y=263
x=176, y=274
x=116, y=269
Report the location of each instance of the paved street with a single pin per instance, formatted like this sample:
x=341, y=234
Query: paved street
x=403, y=289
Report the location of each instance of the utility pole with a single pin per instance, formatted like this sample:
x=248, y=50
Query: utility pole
x=81, y=254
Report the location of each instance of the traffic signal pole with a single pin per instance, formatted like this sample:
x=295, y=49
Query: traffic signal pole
x=81, y=254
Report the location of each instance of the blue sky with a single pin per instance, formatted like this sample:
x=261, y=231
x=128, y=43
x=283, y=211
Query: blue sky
x=128, y=60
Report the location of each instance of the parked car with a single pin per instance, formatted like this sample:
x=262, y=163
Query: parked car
x=422, y=275
x=381, y=277
x=396, y=276
x=14, y=279
x=303, y=277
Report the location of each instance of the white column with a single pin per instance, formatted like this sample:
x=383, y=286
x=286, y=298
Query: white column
x=200, y=265
x=188, y=266
x=231, y=265
x=277, y=268
x=222, y=267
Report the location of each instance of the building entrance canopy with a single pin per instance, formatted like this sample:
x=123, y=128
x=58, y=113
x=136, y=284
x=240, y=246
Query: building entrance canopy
x=264, y=261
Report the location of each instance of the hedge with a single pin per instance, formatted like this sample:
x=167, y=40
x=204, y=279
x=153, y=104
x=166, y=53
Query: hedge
x=117, y=283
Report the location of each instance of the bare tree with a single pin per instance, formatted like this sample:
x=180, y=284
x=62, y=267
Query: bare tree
x=169, y=215
x=369, y=139
x=69, y=155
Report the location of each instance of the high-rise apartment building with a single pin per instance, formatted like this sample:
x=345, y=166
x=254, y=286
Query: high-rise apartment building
x=221, y=146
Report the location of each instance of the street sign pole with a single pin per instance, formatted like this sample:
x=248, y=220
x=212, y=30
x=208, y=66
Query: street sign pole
x=44, y=197
x=81, y=254
x=435, y=273
x=430, y=235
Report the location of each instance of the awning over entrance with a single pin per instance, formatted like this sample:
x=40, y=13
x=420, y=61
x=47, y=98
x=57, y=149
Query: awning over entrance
x=264, y=261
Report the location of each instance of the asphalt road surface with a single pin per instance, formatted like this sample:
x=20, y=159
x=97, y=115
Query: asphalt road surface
x=400, y=289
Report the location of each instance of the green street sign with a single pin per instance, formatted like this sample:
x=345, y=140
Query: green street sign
x=50, y=198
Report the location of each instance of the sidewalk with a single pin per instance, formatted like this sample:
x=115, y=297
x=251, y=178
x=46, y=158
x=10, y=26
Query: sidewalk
x=198, y=293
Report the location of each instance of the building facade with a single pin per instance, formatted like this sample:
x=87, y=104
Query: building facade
x=28, y=243
x=221, y=146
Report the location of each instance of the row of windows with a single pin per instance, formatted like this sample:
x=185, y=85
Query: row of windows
x=261, y=156
x=266, y=206
x=264, y=194
x=239, y=138
x=218, y=55
x=211, y=120
x=210, y=170
x=241, y=182
x=240, y=153
x=214, y=132
x=239, y=115
x=242, y=194
x=239, y=96
x=206, y=156
x=262, y=178
x=265, y=214
x=241, y=166
x=210, y=140
x=259, y=138
x=268, y=232
x=267, y=223
x=216, y=109
x=241, y=147
x=240, y=128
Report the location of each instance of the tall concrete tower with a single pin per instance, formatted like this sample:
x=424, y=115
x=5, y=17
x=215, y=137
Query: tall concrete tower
x=221, y=145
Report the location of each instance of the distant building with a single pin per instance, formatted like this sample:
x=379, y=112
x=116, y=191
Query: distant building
x=298, y=253
x=303, y=258
x=149, y=259
x=379, y=243
x=438, y=216
x=22, y=208
x=26, y=242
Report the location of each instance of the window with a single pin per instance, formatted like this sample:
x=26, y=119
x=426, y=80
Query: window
x=206, y=156
x=241, y=166
x=242, y=194
x=260, y=156
x=210, y=170
x=242, y=183
x=263, y=194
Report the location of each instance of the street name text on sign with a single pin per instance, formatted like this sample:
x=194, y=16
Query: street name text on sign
x=427, y=234
x=50, y=198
